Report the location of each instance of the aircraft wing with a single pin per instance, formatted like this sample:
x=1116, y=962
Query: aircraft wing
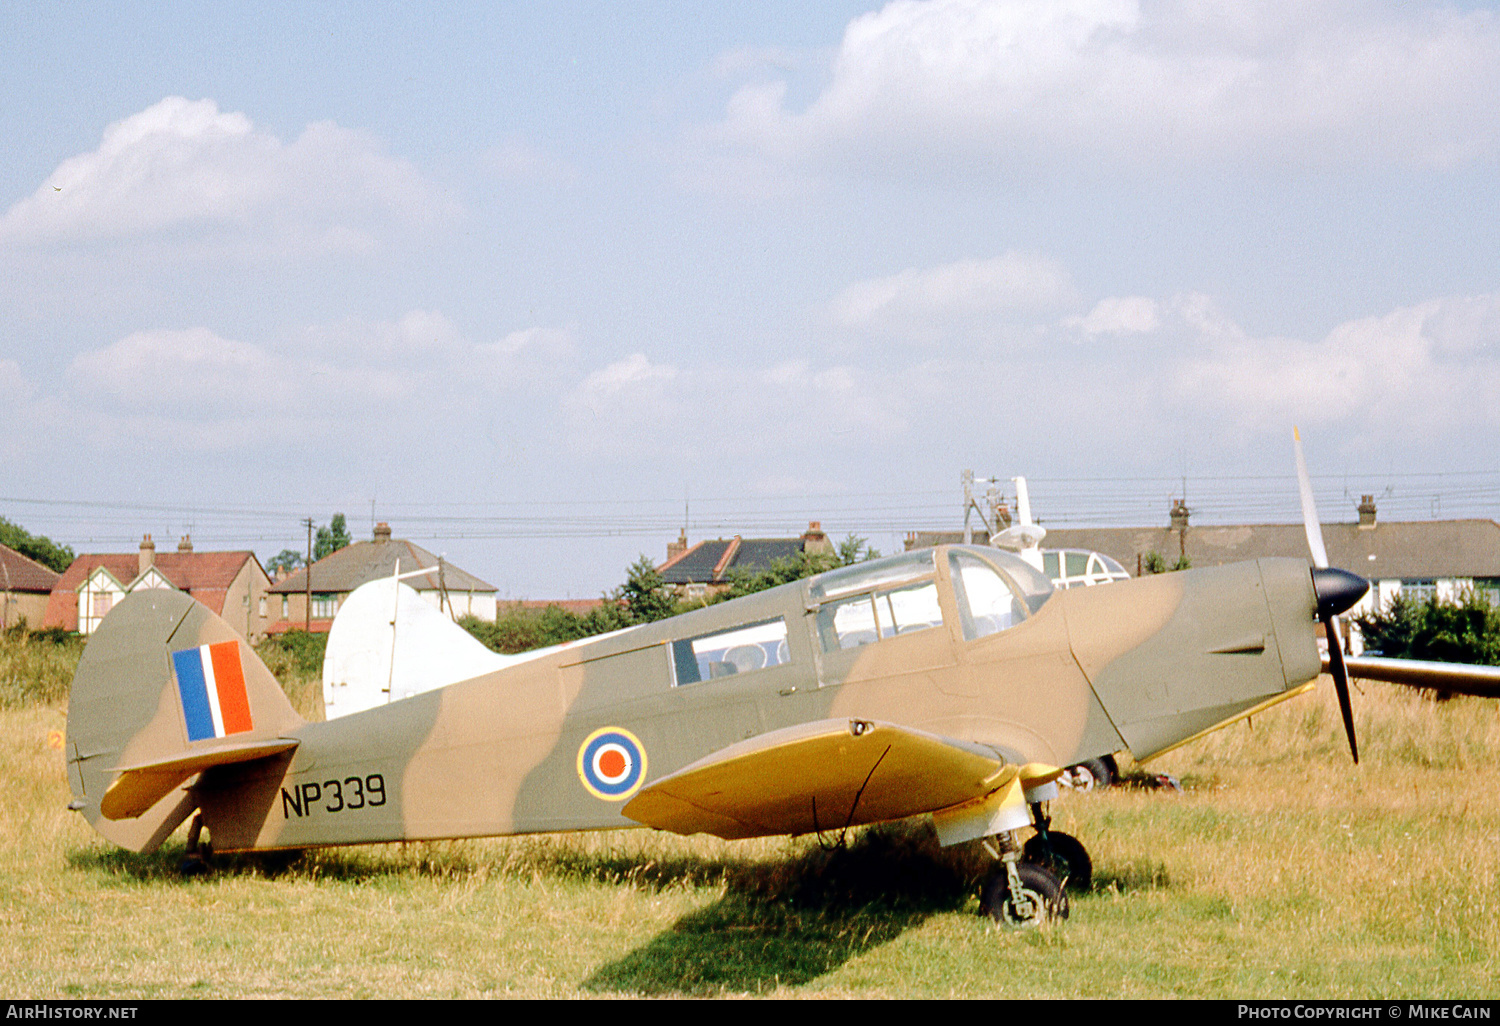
x=1459, y=678
x=822, y=775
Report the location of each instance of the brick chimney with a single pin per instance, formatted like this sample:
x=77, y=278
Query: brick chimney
x=814, y=540
x=186, y=545
x=382, y=532
x=1179, y=515
x=148, y=555
x=678, y=547
x=1367, y=512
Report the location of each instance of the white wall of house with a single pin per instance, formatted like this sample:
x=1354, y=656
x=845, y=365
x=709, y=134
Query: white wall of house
x=481, y=605
x=97, y=595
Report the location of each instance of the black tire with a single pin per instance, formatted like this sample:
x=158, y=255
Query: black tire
x=1064, y=856
x=193, y=865
x=1041, y=899
x=1088, y=775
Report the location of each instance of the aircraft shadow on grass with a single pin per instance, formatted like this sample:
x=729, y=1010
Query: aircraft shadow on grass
x=780, y=923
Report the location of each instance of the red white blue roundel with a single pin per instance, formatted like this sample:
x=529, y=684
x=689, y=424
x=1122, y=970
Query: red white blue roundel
x=612, y=763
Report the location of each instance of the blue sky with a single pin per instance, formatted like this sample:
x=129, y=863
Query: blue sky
x=541, y=281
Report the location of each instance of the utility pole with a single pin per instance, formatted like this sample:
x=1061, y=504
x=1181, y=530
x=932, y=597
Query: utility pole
x=308, y=624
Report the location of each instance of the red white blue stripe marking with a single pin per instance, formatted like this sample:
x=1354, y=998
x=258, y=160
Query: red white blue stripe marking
x=211, y=684
x=611, y=763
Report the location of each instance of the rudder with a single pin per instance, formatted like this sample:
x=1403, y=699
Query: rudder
x=164, y=689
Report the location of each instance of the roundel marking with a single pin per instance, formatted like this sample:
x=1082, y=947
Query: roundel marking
x=611, y=763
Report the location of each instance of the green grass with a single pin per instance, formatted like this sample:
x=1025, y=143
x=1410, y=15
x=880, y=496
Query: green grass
x=1281, y=871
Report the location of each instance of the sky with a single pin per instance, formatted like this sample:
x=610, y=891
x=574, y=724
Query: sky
x=543, y=284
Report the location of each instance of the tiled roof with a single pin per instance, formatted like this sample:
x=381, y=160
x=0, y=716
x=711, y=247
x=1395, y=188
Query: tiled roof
x=1419, y=549
x=578, y=607
x=697, y=564
x=204, y=575
x=17, y=573
x=362, y=562
x=709, y=562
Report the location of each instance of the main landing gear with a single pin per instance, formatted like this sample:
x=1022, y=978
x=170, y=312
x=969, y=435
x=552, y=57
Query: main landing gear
x=1030, y=885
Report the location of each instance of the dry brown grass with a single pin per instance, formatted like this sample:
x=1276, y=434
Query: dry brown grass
x=1281, y=871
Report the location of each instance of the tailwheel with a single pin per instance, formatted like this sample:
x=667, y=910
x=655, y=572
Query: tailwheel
x=1064, y=855
x=1021, y=895
x=195, y=860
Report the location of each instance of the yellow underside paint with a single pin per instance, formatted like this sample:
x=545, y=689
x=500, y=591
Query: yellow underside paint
x=818, y=776
x=1262, y=707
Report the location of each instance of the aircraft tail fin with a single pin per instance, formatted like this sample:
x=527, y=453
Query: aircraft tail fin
x=388, y=643
x=164, y=690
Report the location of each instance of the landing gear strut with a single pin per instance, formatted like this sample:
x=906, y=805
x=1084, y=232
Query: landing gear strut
x=1063, y=854
x=195, y=862
x=1020, y=895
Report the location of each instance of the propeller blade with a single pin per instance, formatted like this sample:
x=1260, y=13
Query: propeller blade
x=1309, y=509
x=1340, y=674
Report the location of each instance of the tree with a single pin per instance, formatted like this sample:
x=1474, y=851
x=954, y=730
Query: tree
x=644, y=595
x=331, y=538
x=35, y=546
x=1466, y=630
x=286, y=559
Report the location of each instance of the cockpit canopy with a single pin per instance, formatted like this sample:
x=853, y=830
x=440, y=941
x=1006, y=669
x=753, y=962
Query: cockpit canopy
x=1074, y=568
x=869, y=602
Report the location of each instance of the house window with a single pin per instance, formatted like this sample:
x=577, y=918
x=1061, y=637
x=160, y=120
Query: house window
x=262, y=605
x=1419, y=591
x=1488, y=588
x=324, y=606
x=286, y=607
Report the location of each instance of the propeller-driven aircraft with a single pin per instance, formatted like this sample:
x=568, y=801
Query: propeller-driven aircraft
x=955, y=682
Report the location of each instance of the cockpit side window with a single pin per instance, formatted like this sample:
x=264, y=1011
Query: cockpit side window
x=867, y=618
x=986, y=604
x=904, y=610
x=743, y=649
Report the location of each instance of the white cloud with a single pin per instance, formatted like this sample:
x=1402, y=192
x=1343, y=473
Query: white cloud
x=629, y=376
x=1002, y=83
x=183, y=171
x=193, y=370
x=924, y=303
x=552, y=343
x=341, y=381
x=519, y=160
x=1431, y=369
x=13, y=384
x=1118, y=315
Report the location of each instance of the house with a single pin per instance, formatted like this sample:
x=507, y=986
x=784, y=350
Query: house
x=330, y=580
x=25, y=587
x=232, y=584
x=1414, y=558
x=704, y=569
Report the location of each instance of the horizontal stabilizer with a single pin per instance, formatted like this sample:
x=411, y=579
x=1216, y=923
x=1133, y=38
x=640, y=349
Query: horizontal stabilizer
x=823, y=775
x=1458, y=678
x=139, y=787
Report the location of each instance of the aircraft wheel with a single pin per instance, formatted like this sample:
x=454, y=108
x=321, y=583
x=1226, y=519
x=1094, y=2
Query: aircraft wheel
x=193, y=864
x=1064, y=856
x=1040, y=900
x=1087, y=775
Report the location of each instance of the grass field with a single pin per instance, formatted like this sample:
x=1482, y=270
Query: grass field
x=1280, y=871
